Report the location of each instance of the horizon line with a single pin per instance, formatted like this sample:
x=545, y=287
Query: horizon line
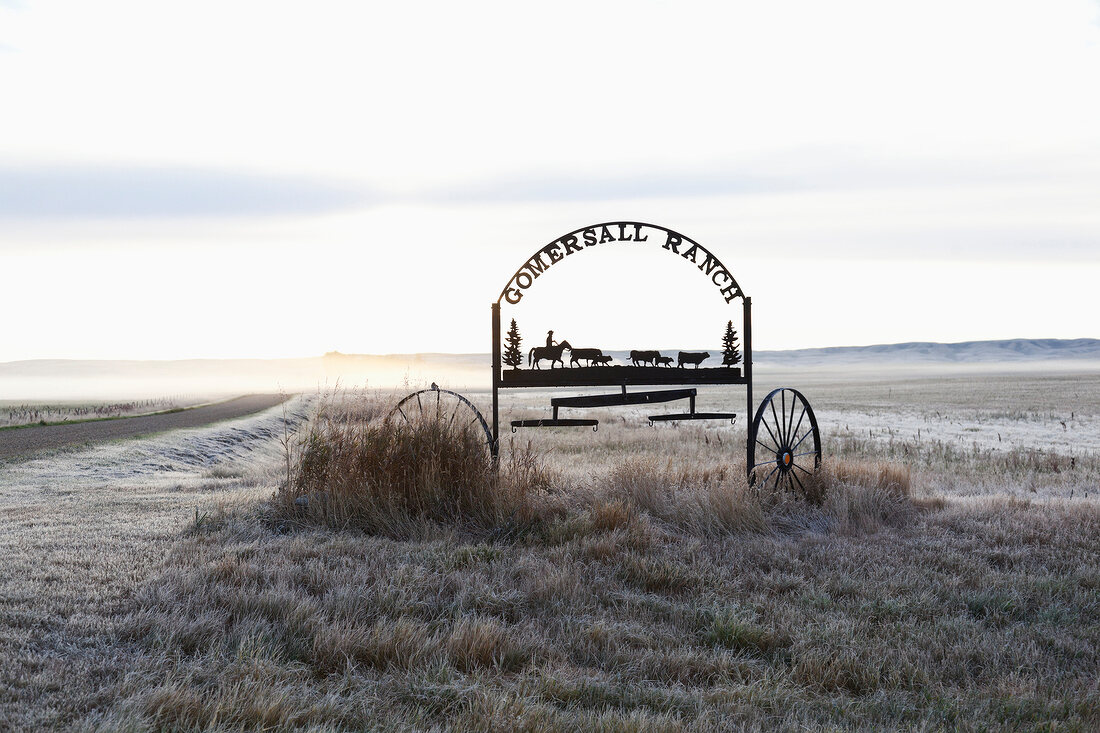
x=337, y=353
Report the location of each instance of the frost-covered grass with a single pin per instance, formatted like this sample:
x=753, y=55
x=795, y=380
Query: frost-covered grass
x=80, y=532
x=655, y=591
x=16, y=413
x=974, y=615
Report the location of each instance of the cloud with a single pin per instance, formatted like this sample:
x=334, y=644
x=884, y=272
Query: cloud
x=68, y=192
x=641, y=185
x=798, y=170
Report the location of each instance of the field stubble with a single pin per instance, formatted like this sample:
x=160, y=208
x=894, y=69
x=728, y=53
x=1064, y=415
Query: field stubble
x=625, y=580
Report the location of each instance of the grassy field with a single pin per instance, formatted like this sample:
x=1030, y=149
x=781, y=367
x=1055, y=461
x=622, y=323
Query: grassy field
x=620, y=580
x=18, y=413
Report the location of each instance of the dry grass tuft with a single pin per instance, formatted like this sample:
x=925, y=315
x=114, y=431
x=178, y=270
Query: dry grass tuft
x=706, y=500
x=716, y=500
x=389, y=644
x=887, y=476
x=483, y=643
x=391, y=477
x=731, y=632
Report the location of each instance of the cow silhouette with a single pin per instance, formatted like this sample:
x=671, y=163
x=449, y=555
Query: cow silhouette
x=663, y=361
x=578, y=355
x=691, y=357
x=645, y=357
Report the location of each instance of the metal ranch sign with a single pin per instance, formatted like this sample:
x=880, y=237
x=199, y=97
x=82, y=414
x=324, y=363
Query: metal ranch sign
x=782, y=445
x=620, y=233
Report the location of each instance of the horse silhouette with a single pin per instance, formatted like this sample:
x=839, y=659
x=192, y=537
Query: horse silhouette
x=552, y=353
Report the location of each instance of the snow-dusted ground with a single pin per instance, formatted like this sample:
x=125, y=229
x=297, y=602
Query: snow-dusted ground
x=80, y=531
x=1053, y=413
x=1072, y=436
x=181, y=458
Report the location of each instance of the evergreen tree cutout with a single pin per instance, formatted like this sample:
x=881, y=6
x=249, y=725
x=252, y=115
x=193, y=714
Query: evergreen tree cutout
x=730, y=353
x=513, y=357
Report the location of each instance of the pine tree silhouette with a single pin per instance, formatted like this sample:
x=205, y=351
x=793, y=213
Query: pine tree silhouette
x=730, y=354
x=513, y=357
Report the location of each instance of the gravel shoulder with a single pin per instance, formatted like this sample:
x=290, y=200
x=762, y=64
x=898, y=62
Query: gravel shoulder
x=26, y=441
x=81, y=531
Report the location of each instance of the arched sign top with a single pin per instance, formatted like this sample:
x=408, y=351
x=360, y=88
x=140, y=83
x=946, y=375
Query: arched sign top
x=620, y=233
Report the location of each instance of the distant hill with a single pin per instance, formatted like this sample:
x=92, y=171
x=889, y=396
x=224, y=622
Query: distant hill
x=1011, y=350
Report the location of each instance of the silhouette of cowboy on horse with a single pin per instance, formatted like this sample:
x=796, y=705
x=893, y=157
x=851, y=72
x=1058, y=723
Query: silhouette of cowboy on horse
x=551, y=352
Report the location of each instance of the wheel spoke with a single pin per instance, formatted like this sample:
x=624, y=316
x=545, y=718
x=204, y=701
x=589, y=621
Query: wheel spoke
x=765, y=463
x=808, y=434
x=773, y=449
x=807, y=453
x=801, y=467
x=790, y=420
x=799, y=481
x=783, y=412
x=800, y=417
x=765, y=481
x=418, y=402
x=768, y=428
x=778, y=429
x=402, y=413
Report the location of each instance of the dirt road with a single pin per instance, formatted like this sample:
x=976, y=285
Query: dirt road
x=24, y=441
x=82, y=531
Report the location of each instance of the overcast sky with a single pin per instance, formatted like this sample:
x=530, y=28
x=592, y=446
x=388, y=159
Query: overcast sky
x=203, y=179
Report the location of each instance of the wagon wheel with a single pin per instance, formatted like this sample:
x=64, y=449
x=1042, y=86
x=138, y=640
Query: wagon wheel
x=444, y=405
x=786, y=444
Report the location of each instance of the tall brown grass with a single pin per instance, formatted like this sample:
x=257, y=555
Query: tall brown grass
x=393, y=478
x=716, y=499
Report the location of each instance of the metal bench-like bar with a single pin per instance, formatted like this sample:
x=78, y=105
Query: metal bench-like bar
x=731, y=416
x=624, y=398
x=555, y=423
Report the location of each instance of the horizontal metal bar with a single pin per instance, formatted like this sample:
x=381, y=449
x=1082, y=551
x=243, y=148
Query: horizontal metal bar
x=615, y=376
x=549, y=423
x=695, y=416
x=624, y=398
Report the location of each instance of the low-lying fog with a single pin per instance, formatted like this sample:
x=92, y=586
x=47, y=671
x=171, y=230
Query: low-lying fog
x=68, y=380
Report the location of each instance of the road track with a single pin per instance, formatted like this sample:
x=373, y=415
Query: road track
x=20, y=442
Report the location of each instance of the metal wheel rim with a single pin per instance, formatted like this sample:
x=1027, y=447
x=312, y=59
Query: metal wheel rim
x=786, y=441
x=413, y=404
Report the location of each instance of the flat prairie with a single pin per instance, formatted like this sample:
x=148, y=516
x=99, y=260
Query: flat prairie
x=947, y=575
